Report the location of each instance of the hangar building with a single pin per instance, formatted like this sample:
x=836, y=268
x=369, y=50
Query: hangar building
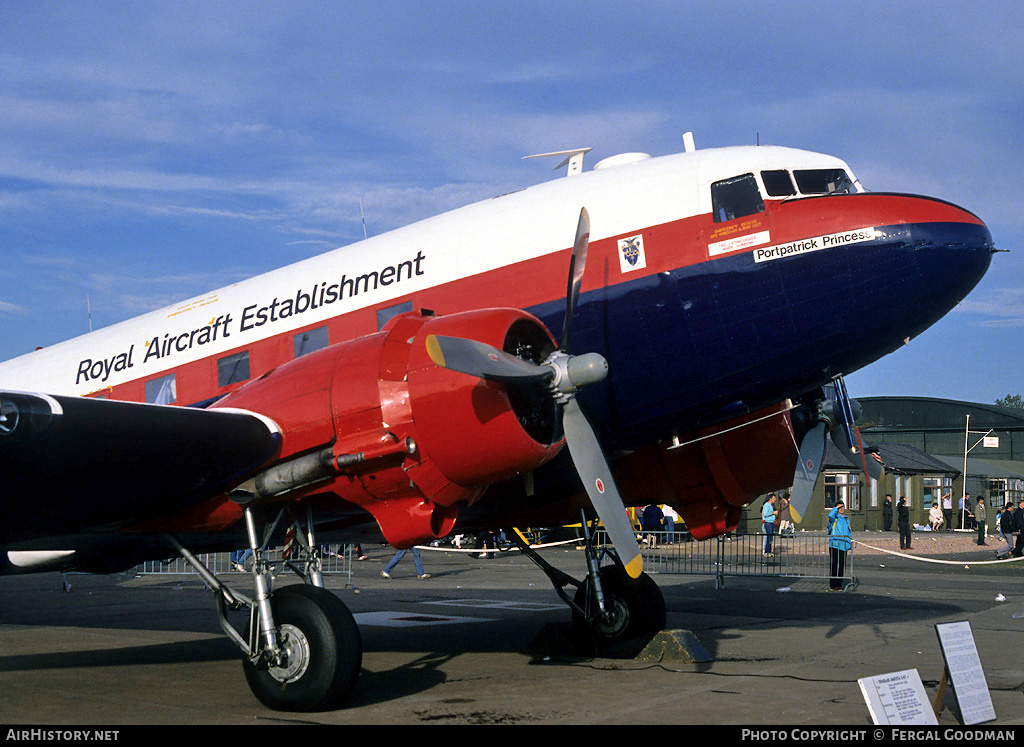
x=925, y=444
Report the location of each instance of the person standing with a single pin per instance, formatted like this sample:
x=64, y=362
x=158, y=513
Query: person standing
x=840, y=542
x=1019, y=529
x=887, y=514
x=947, y=510
x=785, y=523
x=979, y=514
x=650, y=522
x=964, y=511
x=768, y=516
x=670, y=523
x=903, y=521
x=1006, y=531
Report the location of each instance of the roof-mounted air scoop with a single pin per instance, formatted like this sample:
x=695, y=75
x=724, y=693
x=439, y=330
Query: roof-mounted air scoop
x=573, y=158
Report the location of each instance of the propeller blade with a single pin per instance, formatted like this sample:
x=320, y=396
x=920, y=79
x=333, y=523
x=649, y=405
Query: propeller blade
x=844, y=413
x=565, y=374
x=600, y=486
x=481, y=360
x=812, y=455
x=873, y=468
x=577, y=264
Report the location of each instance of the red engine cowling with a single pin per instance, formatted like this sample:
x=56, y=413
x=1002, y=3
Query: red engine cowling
x=717, y=472
x=407, y=440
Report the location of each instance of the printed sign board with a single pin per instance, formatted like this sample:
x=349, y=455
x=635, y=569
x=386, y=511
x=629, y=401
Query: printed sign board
x=965, y=672
x=897, y=698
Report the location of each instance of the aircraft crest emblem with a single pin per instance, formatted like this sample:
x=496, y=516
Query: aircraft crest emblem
x=631, y=253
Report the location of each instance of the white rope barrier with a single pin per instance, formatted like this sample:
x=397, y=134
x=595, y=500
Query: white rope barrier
x=477, y=550
x=940, y=562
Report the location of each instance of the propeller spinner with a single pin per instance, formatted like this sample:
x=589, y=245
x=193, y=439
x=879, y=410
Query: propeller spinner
x=564, y=374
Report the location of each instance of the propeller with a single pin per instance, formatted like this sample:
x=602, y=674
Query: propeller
x=564, y=375
x=836, y=418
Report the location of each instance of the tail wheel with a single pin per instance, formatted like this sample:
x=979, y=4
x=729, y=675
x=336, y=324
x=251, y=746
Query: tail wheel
x=322, y=652
x=636, y=612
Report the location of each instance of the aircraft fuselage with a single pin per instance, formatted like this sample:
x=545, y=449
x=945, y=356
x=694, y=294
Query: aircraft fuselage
x=718, y=281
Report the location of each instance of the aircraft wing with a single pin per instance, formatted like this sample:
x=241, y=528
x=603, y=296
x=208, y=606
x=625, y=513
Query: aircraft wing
x=73, y=464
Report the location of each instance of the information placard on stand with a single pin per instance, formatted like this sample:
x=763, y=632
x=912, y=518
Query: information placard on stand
x=966, y=676
x=897, y=698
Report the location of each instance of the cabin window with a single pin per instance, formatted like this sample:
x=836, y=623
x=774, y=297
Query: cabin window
x=386, y=315
x=162, y=391
x=233, y=368
x=823, y=182
x=778, y=183
x=735, y=198
x=310, y=341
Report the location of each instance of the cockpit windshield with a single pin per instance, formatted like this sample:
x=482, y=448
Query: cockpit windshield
x=824, y=182
x=735, y=198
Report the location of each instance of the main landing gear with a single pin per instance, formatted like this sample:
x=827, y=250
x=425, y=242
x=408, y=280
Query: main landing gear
x=613, y=615
x=302, y=651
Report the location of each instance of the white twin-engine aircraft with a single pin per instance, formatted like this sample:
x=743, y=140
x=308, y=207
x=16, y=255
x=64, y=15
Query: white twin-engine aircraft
x=412, y=383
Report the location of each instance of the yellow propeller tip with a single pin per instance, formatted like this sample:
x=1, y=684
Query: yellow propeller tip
x=434, y=350
x=635, y=567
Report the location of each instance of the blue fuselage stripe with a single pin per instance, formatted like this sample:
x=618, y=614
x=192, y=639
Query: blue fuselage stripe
x=697, y=344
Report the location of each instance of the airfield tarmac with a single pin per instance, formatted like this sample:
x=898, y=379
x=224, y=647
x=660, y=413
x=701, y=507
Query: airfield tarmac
x=453, y=649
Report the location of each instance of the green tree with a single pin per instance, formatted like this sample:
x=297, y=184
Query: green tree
x=1011, y=400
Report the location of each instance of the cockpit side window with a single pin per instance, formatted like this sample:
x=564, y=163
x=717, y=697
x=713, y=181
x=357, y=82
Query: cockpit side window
x=735, y=197
x=823, y=181
x=777, y=183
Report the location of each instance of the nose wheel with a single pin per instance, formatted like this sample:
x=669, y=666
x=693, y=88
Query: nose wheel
x=634, y=613
x=613, y=614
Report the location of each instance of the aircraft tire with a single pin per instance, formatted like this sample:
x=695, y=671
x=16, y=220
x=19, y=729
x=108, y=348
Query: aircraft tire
x=324, y=652
x=638, y=613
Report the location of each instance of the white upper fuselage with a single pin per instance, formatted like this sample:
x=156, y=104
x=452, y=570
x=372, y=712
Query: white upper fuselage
x=396, y=266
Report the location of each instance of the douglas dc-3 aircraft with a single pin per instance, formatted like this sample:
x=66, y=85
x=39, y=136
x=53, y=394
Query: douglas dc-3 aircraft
x=411, y=382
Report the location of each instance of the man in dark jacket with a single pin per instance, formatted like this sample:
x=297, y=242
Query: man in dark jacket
x=981, y=516
x=887, y=513
x=903, y=520
x=1018, y=525
x=1008, y=530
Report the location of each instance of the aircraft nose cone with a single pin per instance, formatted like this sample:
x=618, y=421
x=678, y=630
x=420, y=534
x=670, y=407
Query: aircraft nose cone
x=927, y=263
x=956, y=254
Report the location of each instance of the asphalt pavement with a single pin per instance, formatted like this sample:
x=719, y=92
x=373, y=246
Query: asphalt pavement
x=463, y=647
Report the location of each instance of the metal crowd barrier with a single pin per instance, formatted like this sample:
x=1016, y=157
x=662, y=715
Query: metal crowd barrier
x=802, y=555
x=334, y=562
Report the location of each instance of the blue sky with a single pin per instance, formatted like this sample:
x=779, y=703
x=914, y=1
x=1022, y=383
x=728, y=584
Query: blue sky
x=150, y=152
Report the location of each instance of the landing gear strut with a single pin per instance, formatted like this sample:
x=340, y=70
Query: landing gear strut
x=303, y=651
x=613, y=615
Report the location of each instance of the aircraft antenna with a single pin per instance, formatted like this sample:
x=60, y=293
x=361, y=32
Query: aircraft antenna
x=363, y=217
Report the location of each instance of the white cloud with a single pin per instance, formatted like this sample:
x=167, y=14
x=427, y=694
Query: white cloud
x=1002, y=307
x=11, y=308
